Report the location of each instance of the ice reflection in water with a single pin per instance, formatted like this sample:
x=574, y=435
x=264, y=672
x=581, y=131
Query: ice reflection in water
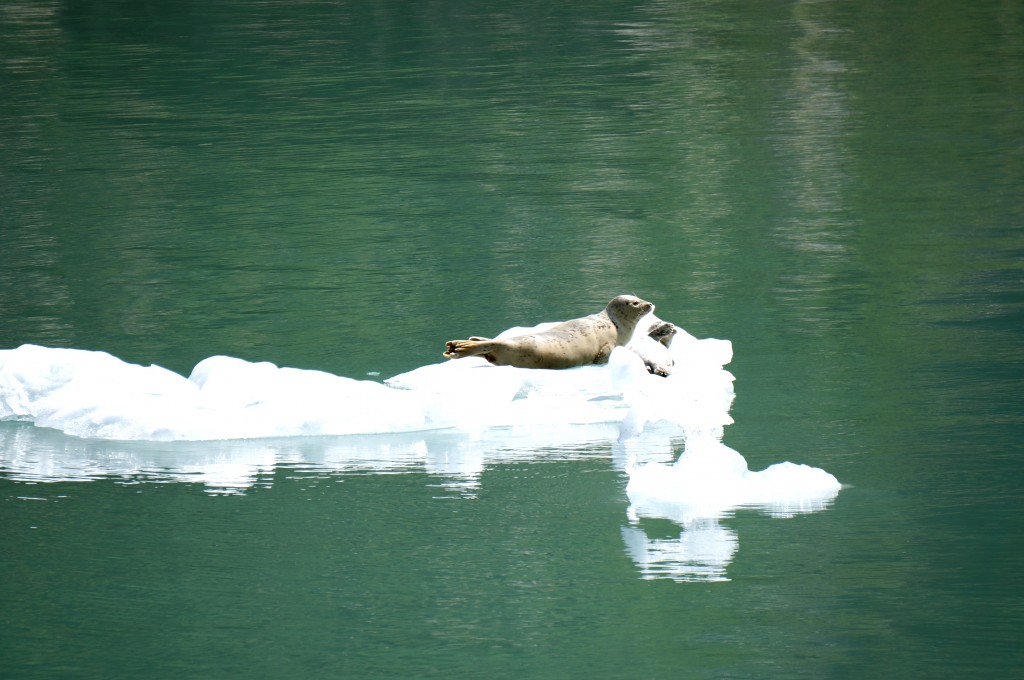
x=701, y=553
x=34, y=454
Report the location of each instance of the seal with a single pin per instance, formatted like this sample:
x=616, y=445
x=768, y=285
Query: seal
x=652, y=345
x=578, y=342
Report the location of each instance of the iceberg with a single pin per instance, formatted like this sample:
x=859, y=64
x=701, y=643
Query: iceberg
x=94, y=395
x=450, y=419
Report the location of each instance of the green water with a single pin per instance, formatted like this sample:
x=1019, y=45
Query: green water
x=836, y=187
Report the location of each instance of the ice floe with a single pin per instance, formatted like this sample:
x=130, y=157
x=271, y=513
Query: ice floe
x=241, y=419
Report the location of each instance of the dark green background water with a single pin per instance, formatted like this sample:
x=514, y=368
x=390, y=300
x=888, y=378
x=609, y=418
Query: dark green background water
x=836, y=187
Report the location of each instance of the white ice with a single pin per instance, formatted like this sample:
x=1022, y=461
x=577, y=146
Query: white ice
x=95, y=395
x=449, y=419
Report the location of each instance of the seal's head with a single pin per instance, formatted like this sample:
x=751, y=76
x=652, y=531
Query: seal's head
x=626, y=310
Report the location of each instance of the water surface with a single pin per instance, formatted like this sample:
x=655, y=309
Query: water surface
x=834, y=187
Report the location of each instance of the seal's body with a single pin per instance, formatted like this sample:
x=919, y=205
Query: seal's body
x=588, y=340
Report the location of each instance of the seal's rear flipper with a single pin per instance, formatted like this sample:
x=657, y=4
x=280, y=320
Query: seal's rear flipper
x=456, y=349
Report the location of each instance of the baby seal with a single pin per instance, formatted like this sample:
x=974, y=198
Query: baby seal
x=653, y=347
x=588, y=340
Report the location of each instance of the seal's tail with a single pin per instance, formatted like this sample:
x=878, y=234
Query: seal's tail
x=456, y=349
